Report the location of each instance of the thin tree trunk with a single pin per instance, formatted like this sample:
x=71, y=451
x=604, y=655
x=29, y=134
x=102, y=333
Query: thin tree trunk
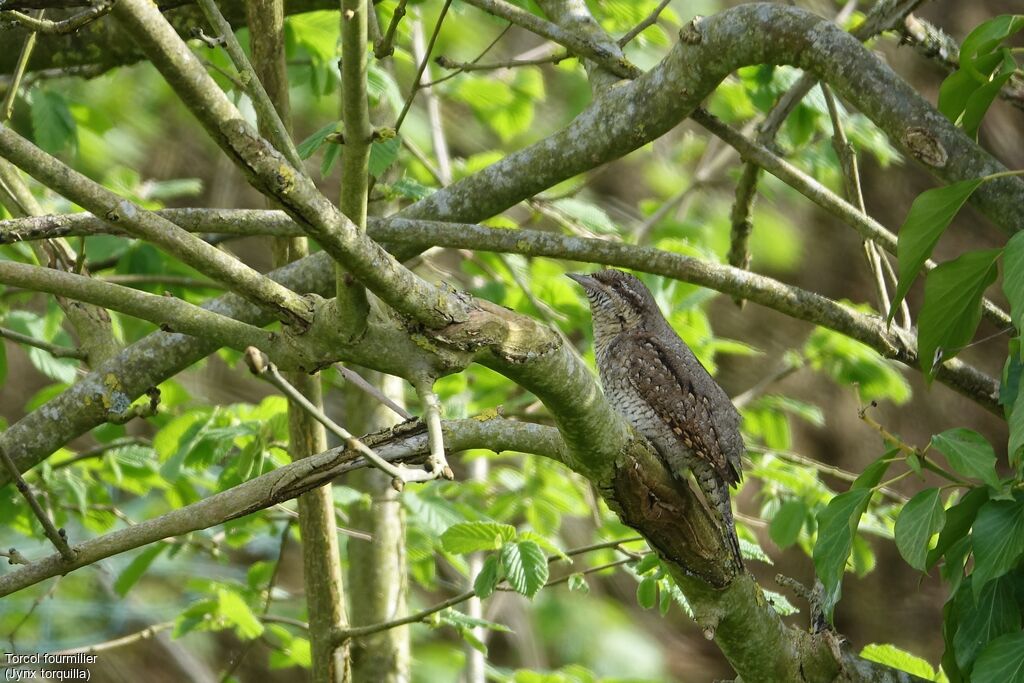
x=321, y=561
x=377, y=571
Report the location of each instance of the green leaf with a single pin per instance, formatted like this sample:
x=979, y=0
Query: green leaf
x=929, y=216
x=311, y=144
x=892, y=656
x=985, y=38
x=959, y=519
x=785, y=526
x=471, y=537
x=981, y=99
x=922, y=517
x=780, y=603
x=969, y=453
x=382, y=154
x=1002, y=661
x=998, y=540
x=453, y=617
x=1013, y=277
x=980, y=619
x=53, y=125
x=234, y=610
x=647, y=592
x=130, y=575
x=526, y=567
x=488, y=578
x=957, y=88
x=837, y=524
x=952, y=305
x=578, y=583
x=1016, y=420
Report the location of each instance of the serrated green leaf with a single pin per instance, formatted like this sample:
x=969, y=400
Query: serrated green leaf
x=578, y=583
x=526, y=567
x=892, y=656
x=1002, y=661
x=785, y=526
x=647, y=592
x=130, y=575
x=486, y=581
x=998, y=540
x=952, y=305
x=382, y=154
x=780, y=603
x=234, y=610
x=311, y=144
x=453, y=617
x=969, y=453
x=471, y=537
x=921, y=518
x=929, y=216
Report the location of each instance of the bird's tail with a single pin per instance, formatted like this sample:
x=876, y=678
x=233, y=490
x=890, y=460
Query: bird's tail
x=716, y=493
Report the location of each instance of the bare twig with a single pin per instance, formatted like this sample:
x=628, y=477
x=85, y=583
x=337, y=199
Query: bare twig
x=57, y=536
x=423, y=65
x=385, y=47
x=64, y=26
x=437, y=463
x=376, y=394
x=261, y=366
x=55, y=350
x=265, y=109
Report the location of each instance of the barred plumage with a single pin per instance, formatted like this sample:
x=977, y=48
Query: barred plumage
x=652, y=378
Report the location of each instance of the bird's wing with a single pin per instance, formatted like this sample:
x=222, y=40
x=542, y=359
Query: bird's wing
x=688, y=400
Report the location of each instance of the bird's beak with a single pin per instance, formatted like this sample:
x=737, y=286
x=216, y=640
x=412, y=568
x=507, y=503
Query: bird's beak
x=588, y=282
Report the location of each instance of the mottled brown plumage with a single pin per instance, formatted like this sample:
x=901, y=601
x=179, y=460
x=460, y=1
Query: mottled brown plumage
x=653, y=379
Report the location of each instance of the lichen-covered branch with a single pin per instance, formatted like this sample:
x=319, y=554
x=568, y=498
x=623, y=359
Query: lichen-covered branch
x=404, y=443
x=151, y=227
x=417, y=235
x=271, y=174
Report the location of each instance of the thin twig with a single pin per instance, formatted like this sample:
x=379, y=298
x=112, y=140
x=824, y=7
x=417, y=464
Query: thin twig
x=342, y=635
x=650, y=20
x=385, y=47
x=57, y=536
x=376, y=394
x=443, y=61
x=99, y=450
x=265, y=110
x=55, y=350
x=423, y=65
x=19, y=73
x=64, y=26
x=437, y=462
x=113, y=644
x=509, y=64
x=260, y=366
x=854, y=195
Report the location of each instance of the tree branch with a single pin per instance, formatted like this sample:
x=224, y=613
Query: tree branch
x=405, y=443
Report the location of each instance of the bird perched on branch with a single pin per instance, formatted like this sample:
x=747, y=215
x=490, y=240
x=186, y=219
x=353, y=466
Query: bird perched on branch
x=652, y=378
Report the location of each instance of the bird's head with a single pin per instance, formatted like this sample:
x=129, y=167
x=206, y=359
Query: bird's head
x=618, y=300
